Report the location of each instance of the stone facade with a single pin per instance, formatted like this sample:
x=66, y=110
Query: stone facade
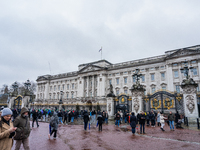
x=89, y=86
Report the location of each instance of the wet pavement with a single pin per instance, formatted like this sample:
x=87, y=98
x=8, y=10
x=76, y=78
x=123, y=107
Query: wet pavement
x=73, y=137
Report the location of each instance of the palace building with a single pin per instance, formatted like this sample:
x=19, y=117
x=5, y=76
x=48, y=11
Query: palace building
x=89, y=85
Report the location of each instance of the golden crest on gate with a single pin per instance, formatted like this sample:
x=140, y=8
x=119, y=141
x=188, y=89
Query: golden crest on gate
x=168, y=103
x=156, y=103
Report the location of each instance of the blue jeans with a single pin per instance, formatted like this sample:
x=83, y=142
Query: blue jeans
x=72, y=119
x=142, y=126
x=133, y=130
x=85, y=125
x=117, y=122
x=125, y=119
x=171, y=124
x=60, y=119
x=106, y=120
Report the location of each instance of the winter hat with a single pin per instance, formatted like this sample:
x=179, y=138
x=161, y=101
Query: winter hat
x=6, y=111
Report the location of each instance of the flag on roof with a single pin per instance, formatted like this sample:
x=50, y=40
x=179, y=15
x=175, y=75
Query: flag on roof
x=100, y=49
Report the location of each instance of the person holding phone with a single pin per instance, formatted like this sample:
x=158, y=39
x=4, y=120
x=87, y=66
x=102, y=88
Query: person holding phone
x=7, y=130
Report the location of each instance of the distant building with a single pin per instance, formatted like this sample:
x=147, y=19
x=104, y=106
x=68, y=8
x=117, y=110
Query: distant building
x=89, y=86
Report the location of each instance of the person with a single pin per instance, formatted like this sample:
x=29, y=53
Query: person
x=117, y=117
x=100, y=121
x=53, y=125
x=162, y=121
x=72, y=116
x=60, y=117
x=148, y=118
x=126, y=116
x=152, y=119
x=138, y=118
x=142, y=123
x=158, y=119
x=171, y=120
x=177, y=117
x=65, y=117
x=7, y=130
x=35, y=118
x=23, y=130
x=133, y=121
x=86, y=119
x=0, y=113
x=106, y=117
x=121, y=117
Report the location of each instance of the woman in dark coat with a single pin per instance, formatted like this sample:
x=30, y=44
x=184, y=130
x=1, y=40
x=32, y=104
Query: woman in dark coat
x=133, y=121
x=177, y=116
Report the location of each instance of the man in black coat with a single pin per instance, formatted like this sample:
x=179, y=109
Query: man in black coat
x=142, y=123
x=35, y=118
x=133, y=121
x=100, y=122
x=86, y=119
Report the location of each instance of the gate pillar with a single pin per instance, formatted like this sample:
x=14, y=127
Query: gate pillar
x=190, y=100
x=110, y=107
x=137, y=101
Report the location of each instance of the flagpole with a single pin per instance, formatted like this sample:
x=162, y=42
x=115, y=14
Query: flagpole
x=101, y=53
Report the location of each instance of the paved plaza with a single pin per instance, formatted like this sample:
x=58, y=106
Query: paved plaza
x=73, y=137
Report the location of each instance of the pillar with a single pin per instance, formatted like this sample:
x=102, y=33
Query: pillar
x=190, y=101
x=137, y=101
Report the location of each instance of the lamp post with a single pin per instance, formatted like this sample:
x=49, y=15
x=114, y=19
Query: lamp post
x=27, y=84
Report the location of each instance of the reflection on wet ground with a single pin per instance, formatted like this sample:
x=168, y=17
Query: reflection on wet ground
x=73, y=137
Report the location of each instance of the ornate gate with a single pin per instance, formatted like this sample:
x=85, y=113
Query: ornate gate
x=164, y=101
x=122, y=102
x=18, y=102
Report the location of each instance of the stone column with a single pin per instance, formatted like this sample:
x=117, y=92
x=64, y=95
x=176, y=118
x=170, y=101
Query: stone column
x=137, y=101
x=87, y=86
x=190, y=101
x=92, y=86
x=110, y=107
x=170, y=77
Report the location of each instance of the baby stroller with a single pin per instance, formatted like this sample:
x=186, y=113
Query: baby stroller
x=178, y=125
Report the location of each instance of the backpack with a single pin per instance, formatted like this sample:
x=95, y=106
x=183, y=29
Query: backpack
x=53, y=122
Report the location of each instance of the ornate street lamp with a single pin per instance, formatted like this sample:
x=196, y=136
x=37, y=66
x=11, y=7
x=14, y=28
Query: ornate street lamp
x=185, y=69
x=61, y=95
x=27, y=84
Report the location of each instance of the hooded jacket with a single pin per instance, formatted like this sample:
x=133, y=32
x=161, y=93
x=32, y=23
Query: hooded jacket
x=23, y=124
x=133, y=120
x=6, y=143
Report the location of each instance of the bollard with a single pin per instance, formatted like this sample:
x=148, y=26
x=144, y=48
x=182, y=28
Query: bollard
x=197, y=123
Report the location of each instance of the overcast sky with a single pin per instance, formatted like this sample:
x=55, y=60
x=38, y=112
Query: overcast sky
x=66, y=33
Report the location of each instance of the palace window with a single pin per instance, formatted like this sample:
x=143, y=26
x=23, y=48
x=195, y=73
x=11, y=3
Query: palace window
x=110, y=81
x=164, y=88
x=198, y=88
x=143, y=78
x=67, y=86
x=67, y=95
x=72, y=95
x=153, y=89
x=176, y=74
x=117, y=81
x=152, y=77
x=174, y=65
x=194, y=70
x=134, y=80
x=117, y=92
x=177, y=88
x=72, y=85
x=162, y=76
x=194, y=61
x=58, y=96
x=125, y=80
x=125, y=91
x=50, y=88
x=54, y=87
x=63, y=87
x=59, y=87
x=54, y=96
x=49, y=96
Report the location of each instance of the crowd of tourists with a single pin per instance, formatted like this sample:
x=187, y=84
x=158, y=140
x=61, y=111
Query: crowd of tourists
x=149, y=119
x=15, y=124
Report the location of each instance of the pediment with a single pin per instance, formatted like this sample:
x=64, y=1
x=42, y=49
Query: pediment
x=184, y=52
x=89, y=68
x=41, y=78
